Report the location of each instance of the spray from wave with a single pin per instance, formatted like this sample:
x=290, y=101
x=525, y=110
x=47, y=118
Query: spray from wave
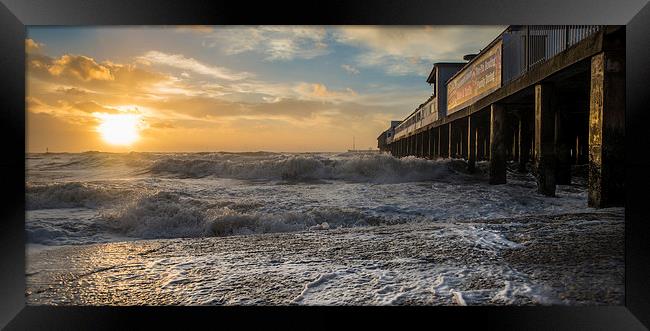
x=169, y=215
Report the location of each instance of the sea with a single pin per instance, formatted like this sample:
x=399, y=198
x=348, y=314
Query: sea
x=266, y=203
x=99, y=197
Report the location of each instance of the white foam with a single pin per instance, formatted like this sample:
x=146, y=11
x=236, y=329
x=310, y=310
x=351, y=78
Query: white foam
x=276, y=193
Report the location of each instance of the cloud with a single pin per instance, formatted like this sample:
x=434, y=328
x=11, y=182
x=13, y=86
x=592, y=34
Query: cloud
x=81, y=67
x=76, y=75
x=31, y=46
x=162, y=125
x=189, y=101
x=93, y=107
x=276, y=43
x=320, y=91
x=412, y=50
x=71, y=91
x=187, y=63
x=350, y=69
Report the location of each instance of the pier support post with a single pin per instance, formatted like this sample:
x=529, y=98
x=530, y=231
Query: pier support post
x=421, y=147
x=435, y=143
x=437, y=153
x=480, y=142
x=497, y=144
x=399, y=148
x=545, y=158
x=414, y=152
x=483, y=126
x=562, y=148
x=413, y=141
x=432, y=151
x=408, y=145
x=450, y=140
x=415, y=144
x=423, y=144
x=515, y=141
x=524, y=140
x=607, y=129
x=444, y=141
x=463, y=140
x=422, y=140
x=472, y=132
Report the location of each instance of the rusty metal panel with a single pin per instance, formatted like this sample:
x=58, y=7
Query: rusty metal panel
x=476, y=80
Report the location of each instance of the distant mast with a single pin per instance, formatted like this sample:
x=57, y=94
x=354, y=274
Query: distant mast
x=47, y=150
x=361, y=151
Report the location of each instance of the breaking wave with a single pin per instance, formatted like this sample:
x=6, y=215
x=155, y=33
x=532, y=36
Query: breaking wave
x=168, y=215
x=70, y=195
x=376, y=168
x=372, y=168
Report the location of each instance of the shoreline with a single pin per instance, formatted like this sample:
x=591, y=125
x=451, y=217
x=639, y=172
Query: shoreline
x=574, y=258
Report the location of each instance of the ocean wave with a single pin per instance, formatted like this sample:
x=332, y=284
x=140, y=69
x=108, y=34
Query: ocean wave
x=381, y=168
x=169, y=215
x=71, y=195
x=376, y=168
x=90, y=160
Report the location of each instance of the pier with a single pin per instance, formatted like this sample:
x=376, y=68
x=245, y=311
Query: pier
x=544, y=97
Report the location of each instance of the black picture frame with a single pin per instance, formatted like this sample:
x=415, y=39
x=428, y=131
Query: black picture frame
x=16, y=14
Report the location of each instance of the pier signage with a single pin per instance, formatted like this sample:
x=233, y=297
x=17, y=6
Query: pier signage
x=475, y=81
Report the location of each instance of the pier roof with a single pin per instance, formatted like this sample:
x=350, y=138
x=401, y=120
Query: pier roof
x=432, y=75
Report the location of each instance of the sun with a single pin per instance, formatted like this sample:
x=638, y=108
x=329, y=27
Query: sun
x=119, y=129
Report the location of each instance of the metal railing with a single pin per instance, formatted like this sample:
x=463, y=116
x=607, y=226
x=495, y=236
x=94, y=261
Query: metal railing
x=525, y=46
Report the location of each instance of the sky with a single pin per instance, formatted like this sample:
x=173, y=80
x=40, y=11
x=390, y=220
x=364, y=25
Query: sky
x=230, y=88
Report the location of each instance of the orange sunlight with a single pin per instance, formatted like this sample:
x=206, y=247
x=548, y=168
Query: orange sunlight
x=119, y=129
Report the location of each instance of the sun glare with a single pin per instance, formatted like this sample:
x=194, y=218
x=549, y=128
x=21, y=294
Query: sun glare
x=119, y=129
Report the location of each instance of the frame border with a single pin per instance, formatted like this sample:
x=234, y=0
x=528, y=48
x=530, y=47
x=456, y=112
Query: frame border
x=15, y=14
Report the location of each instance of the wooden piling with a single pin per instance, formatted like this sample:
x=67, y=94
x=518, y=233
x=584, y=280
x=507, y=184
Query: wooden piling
x=545, y=157
x=471, y=142
x=607, y=130
x=562, y=148
x=497, y=144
